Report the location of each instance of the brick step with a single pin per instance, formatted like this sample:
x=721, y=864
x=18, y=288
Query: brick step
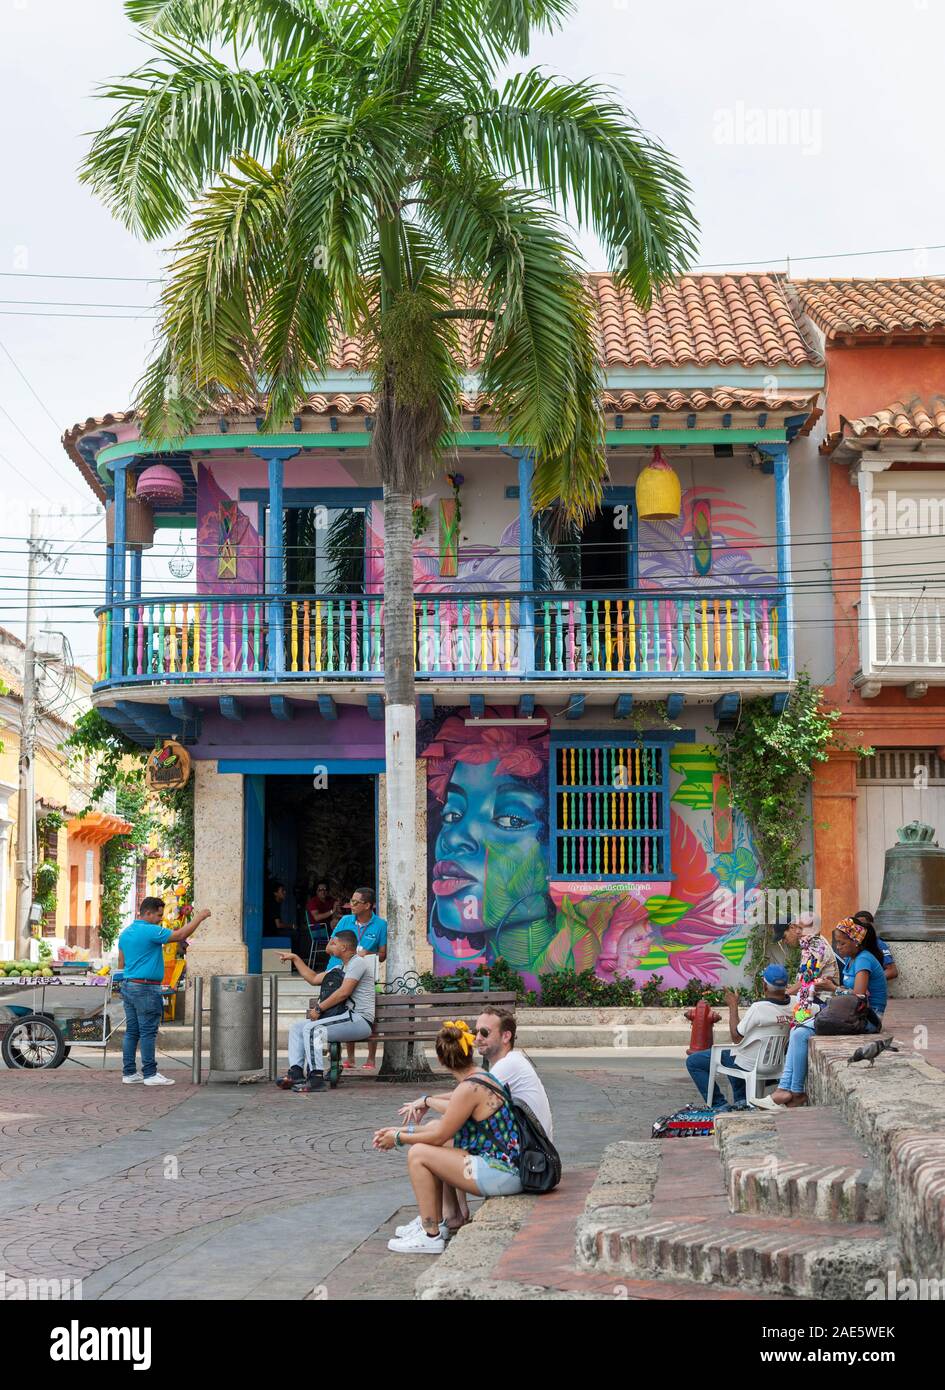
x=803, y=1163
x=772, y=1255
x=660, y=1210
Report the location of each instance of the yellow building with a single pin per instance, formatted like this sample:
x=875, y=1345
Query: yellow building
x=72, y=844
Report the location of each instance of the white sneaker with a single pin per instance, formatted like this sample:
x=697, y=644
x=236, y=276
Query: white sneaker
x=132, y=1080
x=158, y=1080
x=417, y=1243
x=417, y=1225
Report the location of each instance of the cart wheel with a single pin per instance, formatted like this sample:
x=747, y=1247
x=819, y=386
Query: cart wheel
x=34, y=1043
x=52, y=1019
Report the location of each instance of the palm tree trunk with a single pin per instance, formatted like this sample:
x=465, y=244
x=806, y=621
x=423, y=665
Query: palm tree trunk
x=400, y=736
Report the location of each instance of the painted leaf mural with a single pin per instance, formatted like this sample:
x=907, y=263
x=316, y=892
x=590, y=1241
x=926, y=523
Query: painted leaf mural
x=702, y=536
x=697, y=764
x=723, y=824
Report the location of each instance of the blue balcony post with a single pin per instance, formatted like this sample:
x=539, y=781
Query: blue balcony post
x=134, y=582
x=526, y=564
x=118, y=568
x=778, y=453
x=275, y=557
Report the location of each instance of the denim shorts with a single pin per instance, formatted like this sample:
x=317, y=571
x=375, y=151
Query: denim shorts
x=494, y=1179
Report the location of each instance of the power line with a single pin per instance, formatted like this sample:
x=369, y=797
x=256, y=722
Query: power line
x=74, y=304
x=45, y=275
x=55, y=314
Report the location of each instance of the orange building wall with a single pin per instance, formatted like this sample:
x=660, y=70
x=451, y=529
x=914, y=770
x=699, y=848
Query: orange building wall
x=862, y=380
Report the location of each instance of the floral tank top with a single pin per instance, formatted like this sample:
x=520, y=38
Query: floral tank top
x=495, y=1138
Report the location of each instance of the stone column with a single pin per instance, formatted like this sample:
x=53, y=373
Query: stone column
x=217, y=947
x=423, y=951
x=836, y=870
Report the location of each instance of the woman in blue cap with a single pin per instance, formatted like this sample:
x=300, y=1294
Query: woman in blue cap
x=748, y=1034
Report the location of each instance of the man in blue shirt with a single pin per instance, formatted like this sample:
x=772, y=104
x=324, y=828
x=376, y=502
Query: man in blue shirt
x=141, y=959
x=371, y=932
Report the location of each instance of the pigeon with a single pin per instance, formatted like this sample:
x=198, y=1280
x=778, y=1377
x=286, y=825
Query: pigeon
x=872, y=1050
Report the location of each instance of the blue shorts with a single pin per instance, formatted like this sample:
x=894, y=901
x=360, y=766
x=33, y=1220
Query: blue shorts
x=494, y=1179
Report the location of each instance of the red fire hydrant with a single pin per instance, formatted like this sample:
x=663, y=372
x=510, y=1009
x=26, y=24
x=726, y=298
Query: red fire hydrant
x=703, y=1020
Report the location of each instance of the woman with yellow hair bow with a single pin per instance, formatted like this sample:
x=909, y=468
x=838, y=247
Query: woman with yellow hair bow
x=474, y=1146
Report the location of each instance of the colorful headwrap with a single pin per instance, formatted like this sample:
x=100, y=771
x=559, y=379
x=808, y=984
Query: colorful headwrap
x=520, y=751
x=854, y=930
x=467, y=1038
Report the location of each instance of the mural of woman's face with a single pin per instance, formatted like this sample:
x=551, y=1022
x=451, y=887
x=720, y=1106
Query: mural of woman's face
x=487, y=816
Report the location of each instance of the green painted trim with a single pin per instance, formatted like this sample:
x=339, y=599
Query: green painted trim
x=809, y=377
x=473, y=439
x=165, y=521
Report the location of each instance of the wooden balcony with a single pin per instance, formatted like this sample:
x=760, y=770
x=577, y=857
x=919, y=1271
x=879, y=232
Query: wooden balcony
x=642, y=634
x=902, y=640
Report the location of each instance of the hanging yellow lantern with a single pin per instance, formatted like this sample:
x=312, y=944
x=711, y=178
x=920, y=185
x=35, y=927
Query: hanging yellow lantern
x=659, y=495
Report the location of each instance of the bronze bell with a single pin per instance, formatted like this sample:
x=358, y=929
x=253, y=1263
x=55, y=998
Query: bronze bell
x=912, y=903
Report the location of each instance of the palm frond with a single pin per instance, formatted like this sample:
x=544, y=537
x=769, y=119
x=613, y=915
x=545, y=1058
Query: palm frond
x=181, y=119
x=591, y=159
x=539, y=367
x=278, y=29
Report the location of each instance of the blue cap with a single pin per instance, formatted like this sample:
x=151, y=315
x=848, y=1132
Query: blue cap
x=775, y=975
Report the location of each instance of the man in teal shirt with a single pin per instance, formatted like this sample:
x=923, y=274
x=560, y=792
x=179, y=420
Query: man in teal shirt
x=371, y=932
x=141, y=960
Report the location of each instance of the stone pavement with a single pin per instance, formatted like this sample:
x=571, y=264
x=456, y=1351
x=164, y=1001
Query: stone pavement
x=245, y=1191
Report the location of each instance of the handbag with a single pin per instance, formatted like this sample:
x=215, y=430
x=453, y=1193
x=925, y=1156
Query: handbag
x=845, y=1015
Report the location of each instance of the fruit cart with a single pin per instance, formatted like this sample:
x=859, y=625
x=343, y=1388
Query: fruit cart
x=44, y=1015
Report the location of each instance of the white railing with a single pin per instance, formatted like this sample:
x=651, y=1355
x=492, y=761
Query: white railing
x=902, y=633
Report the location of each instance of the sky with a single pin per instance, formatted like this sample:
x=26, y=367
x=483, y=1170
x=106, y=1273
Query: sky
x=808, y=130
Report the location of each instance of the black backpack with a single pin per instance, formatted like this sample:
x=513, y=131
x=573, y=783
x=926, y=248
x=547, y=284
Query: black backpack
x=539, y=1165
x=333, y=980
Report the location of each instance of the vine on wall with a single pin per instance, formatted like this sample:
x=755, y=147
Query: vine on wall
x=119, y=766
x=770, y=760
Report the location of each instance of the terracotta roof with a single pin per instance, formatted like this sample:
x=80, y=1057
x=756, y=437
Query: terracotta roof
x=699, y=320
x=873, y=308
x=912, y=419
x=702, y=320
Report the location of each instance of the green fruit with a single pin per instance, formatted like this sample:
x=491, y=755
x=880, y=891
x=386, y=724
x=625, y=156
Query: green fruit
x=46, y=972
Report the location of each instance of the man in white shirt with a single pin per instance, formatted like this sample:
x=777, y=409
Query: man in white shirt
x=495, y=1039
x=748, y=1034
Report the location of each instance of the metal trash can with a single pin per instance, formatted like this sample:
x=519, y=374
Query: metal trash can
x=236, y=1026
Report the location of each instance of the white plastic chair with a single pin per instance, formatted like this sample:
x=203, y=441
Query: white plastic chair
x=769, y=1063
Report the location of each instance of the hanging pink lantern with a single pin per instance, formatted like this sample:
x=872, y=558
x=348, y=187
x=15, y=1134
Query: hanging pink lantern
x=159, y=483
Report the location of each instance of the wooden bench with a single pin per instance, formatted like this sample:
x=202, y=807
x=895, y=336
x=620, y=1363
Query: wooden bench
x=417, y=1018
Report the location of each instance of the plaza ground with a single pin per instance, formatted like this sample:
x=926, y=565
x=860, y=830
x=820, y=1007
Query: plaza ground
x=248, y=1192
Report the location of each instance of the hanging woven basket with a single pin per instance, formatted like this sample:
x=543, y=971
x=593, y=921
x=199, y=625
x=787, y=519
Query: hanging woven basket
x=139, y=523
x=659, y=495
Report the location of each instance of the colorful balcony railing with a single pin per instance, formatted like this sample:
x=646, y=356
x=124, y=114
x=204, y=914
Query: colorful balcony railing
x=636, y=633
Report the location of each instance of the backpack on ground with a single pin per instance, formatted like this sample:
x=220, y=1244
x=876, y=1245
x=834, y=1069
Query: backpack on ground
x=539, y=1164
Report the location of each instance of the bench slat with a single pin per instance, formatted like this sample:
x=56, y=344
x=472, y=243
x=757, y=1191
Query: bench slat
x=444, y=1001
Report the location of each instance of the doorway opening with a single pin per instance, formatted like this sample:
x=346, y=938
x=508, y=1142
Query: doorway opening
x=595, y=556
x=310, y=834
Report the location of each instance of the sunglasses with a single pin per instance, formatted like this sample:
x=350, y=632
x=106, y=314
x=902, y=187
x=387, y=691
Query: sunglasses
x=483, y=1032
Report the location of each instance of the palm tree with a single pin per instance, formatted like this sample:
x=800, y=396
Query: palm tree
x=358, y=165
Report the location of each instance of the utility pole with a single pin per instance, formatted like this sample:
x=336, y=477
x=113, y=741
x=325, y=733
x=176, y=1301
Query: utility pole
x=26, y=804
